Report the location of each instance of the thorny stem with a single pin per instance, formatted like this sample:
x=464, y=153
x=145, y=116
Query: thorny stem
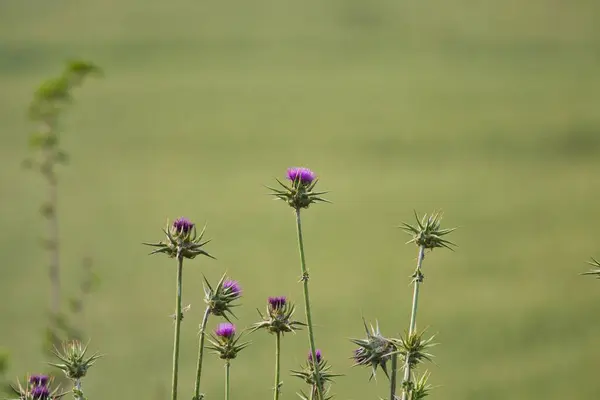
x=47, y=170
x=311, y=336
x=227, y=380
x=77, y=393
x=201, y=353
x=277, y=363
x=413, y=316
x=177, y=326
x=393, y=377
x=54, y=256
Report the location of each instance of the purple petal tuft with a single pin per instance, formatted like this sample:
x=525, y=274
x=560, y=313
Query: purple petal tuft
x=183, y=225
x=304, y=175
x=225, y=330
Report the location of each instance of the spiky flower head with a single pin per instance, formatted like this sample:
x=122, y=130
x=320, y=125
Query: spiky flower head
x=427, y=233
x=413, y=347
x=182, y=240
x=37, y=388
x=278, y=318
x=220, y=298
x=300, y=194
x=595, y=270
x=308, y=372
x=225, y=343
x=374, y=351
x=74, y=364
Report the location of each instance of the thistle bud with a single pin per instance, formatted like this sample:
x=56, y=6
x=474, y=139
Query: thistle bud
x=74, y=364
x=220, y=298
x=37, y=388
x=374, y=351
x=308, y=371
x=300, y=193
x=413, y=348
x=182, y=240
x=427, y=233
x=225, y=343
x=278, y=318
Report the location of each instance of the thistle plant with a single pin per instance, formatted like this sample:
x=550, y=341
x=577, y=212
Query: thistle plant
x=427, y=234
x=49, y=102
x=38, y=387
x=75, y=364
x=225, y=343
x=595, y=271
x=316, y=372
x=300, y=195
x=374, y=351
x=219, y=303
x=182, y=242
x=278, y=321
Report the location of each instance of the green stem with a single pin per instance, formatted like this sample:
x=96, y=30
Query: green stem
x=311, y=336
x=177, y=327
x=393, y=377
x=77, y=392
x=277, y=363
x=413, y=316
x=201, y=353
x=227, y=380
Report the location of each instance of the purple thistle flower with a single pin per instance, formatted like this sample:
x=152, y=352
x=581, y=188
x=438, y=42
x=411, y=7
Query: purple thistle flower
x=233, y=287
x=183, y=225
x=318, y=354
x=304, y=175
x=277, y=302
x=38, y=380
x=40, y=392
x=360, y=356
x=225, y=330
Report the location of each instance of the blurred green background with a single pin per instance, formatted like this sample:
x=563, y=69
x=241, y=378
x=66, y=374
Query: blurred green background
x=486, y=110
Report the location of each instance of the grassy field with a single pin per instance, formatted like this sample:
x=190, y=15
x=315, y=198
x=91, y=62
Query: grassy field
x=486, y=110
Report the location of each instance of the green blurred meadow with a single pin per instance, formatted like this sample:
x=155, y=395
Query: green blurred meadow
x=489, y=111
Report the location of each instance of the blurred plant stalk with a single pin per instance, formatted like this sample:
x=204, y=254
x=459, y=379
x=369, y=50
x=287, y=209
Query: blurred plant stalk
x=48, y=104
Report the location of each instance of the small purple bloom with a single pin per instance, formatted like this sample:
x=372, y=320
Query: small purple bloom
x=304, y=175
x=360, y=356
x=183, y=225
x=318, y=353
x=225, y=330
x=40, y=392
x=277, y=302
x=38, y=380
x=233, y=287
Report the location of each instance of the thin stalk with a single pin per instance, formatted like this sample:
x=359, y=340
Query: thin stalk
x=53, y=232
x=393, y=377
x=277, y=363
x=54, y=269
x=177, y=327
x=201, y=353
x=227, y=380
x=413, y=315
x=311, y=336
x=78, y=393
